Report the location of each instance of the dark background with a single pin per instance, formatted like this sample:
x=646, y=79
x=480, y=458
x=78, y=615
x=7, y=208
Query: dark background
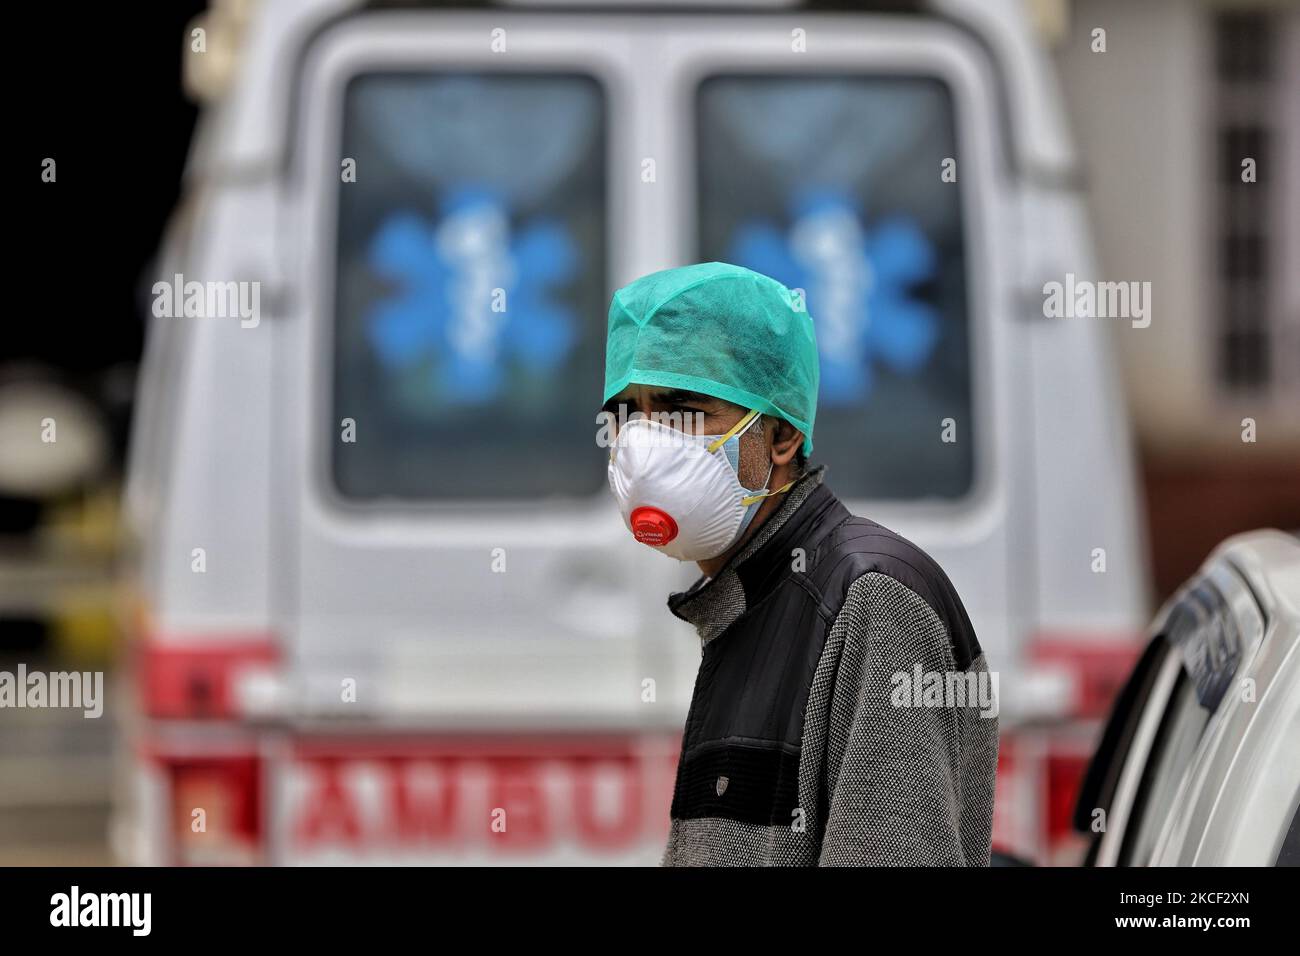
x=100, y=94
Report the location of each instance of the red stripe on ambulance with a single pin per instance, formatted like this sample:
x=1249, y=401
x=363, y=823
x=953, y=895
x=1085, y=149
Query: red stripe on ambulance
x=515, y=795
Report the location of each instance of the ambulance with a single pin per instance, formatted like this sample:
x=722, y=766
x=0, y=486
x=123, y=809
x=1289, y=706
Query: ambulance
x=383, y=607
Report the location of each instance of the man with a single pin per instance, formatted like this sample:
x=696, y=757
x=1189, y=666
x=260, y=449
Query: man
x=804, y=744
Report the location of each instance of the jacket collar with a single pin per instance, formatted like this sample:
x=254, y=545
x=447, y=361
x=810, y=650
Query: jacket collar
x=712, y=604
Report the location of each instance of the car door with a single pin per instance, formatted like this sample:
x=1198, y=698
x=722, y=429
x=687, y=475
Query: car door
x=1168, y=723
x=836, y=172
x=453, y=550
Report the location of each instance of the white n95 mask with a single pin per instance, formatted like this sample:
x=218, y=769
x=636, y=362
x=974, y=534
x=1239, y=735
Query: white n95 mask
x=681, y=494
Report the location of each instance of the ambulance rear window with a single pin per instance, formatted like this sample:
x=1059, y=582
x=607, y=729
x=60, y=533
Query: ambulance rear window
x=845, y=186
x=471, y=286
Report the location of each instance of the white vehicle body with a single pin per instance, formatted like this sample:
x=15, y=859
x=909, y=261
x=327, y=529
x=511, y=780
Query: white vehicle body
x=1214, y=782
x=308, y=654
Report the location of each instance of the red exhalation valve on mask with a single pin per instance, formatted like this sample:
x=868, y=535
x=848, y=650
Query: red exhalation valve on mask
x=652, y=526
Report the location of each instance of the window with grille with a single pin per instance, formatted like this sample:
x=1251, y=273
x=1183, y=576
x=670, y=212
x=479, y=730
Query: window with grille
x=1256, y=327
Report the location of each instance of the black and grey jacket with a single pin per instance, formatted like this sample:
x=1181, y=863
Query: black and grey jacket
x=808, y=742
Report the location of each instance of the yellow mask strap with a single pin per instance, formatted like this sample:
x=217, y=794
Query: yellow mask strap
x=750, y=499
x=735, y=429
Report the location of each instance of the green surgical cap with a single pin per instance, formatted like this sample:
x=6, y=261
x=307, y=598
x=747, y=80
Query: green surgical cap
x=719, y=330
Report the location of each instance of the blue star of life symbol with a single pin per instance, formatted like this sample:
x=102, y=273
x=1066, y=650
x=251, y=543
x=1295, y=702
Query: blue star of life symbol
x=472, y=300
x=858, y=284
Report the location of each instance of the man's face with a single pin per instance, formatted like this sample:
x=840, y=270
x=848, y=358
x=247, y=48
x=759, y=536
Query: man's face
x=699, y=414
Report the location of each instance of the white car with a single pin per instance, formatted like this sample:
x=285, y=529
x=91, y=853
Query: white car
x=1200, y=762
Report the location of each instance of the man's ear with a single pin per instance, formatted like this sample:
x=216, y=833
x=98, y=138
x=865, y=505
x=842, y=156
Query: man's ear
x=786, y=442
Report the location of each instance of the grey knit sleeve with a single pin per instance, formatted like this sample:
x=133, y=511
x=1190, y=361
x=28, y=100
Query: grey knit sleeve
x=911, y=750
